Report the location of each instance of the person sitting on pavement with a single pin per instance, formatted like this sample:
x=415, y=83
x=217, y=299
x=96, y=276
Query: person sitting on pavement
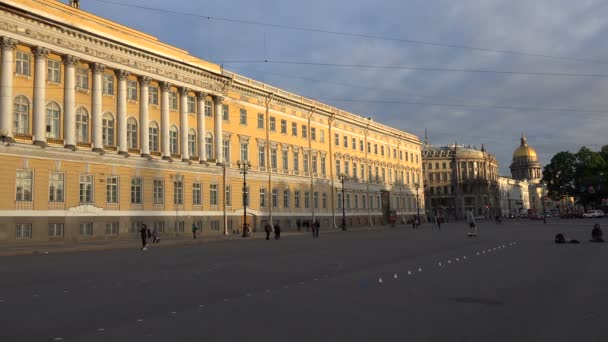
x=560, y=239
x=597, y=234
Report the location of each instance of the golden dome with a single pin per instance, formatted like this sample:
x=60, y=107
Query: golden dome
x=524, y=151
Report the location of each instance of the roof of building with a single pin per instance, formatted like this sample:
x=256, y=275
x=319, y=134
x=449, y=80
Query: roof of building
x=524, y=151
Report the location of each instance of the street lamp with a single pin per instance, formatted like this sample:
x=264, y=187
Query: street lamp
x=343, y=178
x=244, y=166
x=417, y=186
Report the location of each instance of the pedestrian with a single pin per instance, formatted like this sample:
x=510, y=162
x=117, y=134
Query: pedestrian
x=299, y=224
x=194, y=229
x=277, y=232
x=155, y=238
x=596, y=234
x=317, y=228
x=438, y=222
x=268, y=229
x=144, y=237
x=472, y=225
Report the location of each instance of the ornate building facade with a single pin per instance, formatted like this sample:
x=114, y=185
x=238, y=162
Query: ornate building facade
x=104, y=128
x=525, y=163
x=458, y=179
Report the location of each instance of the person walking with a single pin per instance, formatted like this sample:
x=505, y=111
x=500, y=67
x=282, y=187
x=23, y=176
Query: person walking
x=144, y=237
x=155, y=238
x=472, y=225
x=438, y=222
x=277, y=231
x=316, y=228
x=267, y=229
x=194, y=229
x=299, y=224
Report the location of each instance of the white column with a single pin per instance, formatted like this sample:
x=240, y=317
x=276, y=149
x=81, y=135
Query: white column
x=202, y=155
x=183, y=120
x=96, y=107
x=144, y=136
x=40, y=96
x=121, y=111
x=6, y=87
x=164, y=119
x=69, y=102
x=219, y=157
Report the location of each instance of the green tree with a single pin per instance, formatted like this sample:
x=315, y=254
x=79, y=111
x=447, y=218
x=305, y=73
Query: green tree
x=560, y=175
x=590, y=176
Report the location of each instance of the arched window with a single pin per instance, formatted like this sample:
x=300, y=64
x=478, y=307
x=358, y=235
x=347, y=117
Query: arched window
x=82, y=125
x=22, y=115
x=107, y=135
x=131, y=133
x=191, y=142
x=153, y=136
x=209, y=145
x=52, y=120
x=173, y=136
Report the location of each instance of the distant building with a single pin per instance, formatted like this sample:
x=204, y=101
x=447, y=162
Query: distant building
x=525, y=163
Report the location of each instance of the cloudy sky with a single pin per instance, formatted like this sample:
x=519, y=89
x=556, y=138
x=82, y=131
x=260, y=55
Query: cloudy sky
x=556, y=112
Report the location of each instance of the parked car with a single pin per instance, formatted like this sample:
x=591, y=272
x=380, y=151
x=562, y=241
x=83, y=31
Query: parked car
x=593, y=213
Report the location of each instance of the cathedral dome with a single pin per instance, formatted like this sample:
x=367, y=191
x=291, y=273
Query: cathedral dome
x=524, y=151
x=525, y=163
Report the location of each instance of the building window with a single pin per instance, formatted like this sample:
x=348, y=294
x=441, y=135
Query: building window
x=21, y=109
x=197, y=194
x=55, y=229
x=244, y=151
x=112, y=228
x=23, y=63
x=273, y=157
x=107, y=132
x=178, y=191
x=260, y=120
x=286, y=198
x=24, y=184
x=56, y=187
x=181, y=226
x=347, y=201
x=82, y=78
x=262, y=198
x=213, y=194
x=159, y=226
x=296, y=199
x=322, y=137
x=23, y=231
x=243, y=117
x=356, y=201
x=228, y=196
x=53, y=73
x=337, y=168
x=86, y=189
x=362, y=172
x=337, y=139
x=226, y=152
x=306, y=160
x=313, y=133
x=225, y=112
x=273, y=124
x=284, y=156
x=284, y=126
x=275, y=199
x=191, y=104
x=323, y=169
x=108, y=84
x=339, y=198
x=131, y=133
x=369, y=147
x=209, y=145
x=354, y=144
x=294, y=129
x=375, y=148
x=153, y=95
x=153, y=137
x=304, y=131
x=314, y=163
x=361, y=145
x=173, y=100
x=346, y=167
x=86, y=229
x=112, y=189
x=191, y=142
x=159, y=191
x=136, y=190
x=262, y=156
x=394, y=153
x=324, y=200
x=132, y=90
x=246, y=197
x=345, y=141
x=315, y=200
x=208, y=108
x=82, y=125
x=173, y=146
x=382, y=150
x=296, y=161
x=364, y=201
x=355, y=170
x=52, y=120
x=306, y=200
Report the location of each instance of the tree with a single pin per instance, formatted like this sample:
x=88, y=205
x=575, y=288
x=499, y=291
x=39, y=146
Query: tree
x=590, y=176
x=560, y=174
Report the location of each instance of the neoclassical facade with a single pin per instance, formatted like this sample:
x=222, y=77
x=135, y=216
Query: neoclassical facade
x=525, y=163
x=104, y=128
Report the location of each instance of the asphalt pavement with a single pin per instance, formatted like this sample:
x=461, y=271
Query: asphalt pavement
x=511, y=283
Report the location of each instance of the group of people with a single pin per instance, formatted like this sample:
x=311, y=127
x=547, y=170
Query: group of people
x=315, y=227
x=269, y=229
x=597, y=236
x=148, y=234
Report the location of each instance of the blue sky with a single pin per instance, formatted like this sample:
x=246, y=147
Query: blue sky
x=564, y=28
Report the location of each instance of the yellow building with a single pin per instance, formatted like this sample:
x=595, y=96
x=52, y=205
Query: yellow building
x=104, y=127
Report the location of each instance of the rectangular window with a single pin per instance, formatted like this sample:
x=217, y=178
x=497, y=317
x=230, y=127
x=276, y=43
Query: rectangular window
x=313, y=133
x=86, y=229
x=262, y=198
x=286, y=198
x=355, y=169
x=345, y=141
x=243, y=117
x=394, y=153
x=346, y=167
x=159, y=226
x=323, y=169
x=337, y=139
x=173, y=100
x=56, y=187
x=208, y=108
x=55, y=229
x=364, y=201
x=354, y=144
x=153, y=95
x=23, y=63
x=191, y=104
x=362, y=172
x=324, y=200
x=159, y=191
x=375, y=148
x=296, y=161
x=273, y=124
x=244, y=151
x=347, y=202
x=181, y=225
x=285, y=157
x=197, y=194
x=294, y=129
x=228, y=196
x=306, y=200
x=132, y=90
x=226, y=150
x=112, y=228
x=178, y=192
x=315, y=200
x=273, y=157
x=275, y=198
x=382, y=150
x=304, y=131
x=339, y=199
x=82, y=78
x=108, y=84
x=337, y=168
x=262, y=156
x=369, y=147
x=361, y=145
x=225, y=112
x=284, y=126
x=400, y=155
x=136, y=190
x=260, y=120
x=53, y=73
x=112, y=189
x=296, y=199
x=23, y=231
x=314, y=163
x=213, y=194
x=322, y=136
x=306, y=159
x=86, y=189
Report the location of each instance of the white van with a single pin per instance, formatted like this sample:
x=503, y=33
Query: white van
x=593, y=213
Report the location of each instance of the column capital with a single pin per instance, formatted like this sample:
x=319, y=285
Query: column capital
x=69, y=60
x=40, y=51
x=122, y=74
x=144, y=80
x=165, y=86
x=218, y=98
x=201, y=95
x=98, y=67
x=7, y=42
x=184, y=91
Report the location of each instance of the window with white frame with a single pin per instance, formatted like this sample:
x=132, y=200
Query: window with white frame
x=296, y=161
x=306, y=160
x=261, y=156
x=275, y=199
x=313, y=133
x=323, y=168
x=285, y=158
x=345, y=141
x=24, y=185
x=55, y=229
x=324, y=200
x=260, y=120
x=338, y=171
x=23, y=231
x=356, y=206
x=112, y=189
x=296, y=199
x=153, y=139
x=346, y=167
x=294, y=129
x=21, y=115
x=53, y=71
x=178, y=191
x=213, y=194
x=273, y=157
x=173, y=146
x=273, y=124
x=85, y=188
x=304, y=131
x=131, y=133
x=354, y=144
x=191, y=142
x=191, y=102
x=226, y=150
x=159, y=191
x=197, y=193
x=53, y=127
x=284, y=126
x=208, y=108
x=86, y=229
x=209, y=145
x=314, y=163
x=322, y=136
x=315, y=200
x=243, y=116
x=225, y=112
x=339, y=200
x=82, y=125
x=22, y=66
x=137, y=184
x=262, y=198
x=244, y=151
x=107, y=131
x=108, y=84
x=347, y=201
x=228, y=196
x=112, y=228
x=286, y=198
x=159, y=226
x=82, y=78
x=337, y=139
x=56, y=187
x=153, y=95
x=173, y=100
x=306, y=200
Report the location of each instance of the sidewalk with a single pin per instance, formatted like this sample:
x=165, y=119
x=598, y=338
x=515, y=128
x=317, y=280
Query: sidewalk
x=14, y=249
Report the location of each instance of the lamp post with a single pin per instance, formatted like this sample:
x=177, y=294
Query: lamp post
x=244, y=166
x=417, y=186
x=343, y=178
